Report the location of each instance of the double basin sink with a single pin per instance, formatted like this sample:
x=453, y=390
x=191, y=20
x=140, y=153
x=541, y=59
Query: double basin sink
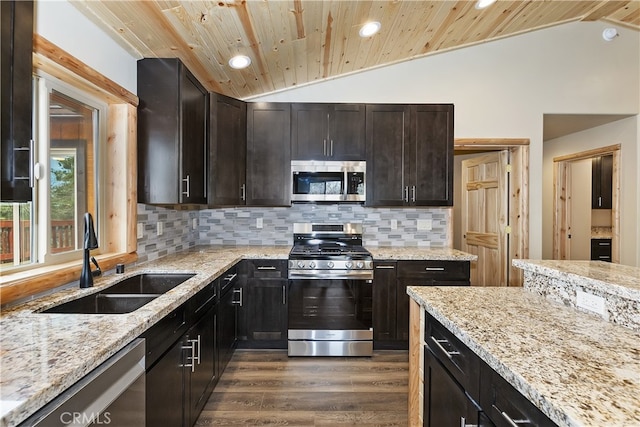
x=125, y=296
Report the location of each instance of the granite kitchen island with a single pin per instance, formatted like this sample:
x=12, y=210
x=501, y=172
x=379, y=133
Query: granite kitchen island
x=577, y=367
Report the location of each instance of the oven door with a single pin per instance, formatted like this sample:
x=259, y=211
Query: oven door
x=330, y=317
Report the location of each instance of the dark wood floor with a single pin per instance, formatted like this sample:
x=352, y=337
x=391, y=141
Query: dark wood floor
x=266, y=388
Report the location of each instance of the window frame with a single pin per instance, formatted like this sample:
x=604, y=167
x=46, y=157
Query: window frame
x=118, y=177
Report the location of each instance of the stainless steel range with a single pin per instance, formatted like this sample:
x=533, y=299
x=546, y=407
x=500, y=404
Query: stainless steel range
x=330, y=291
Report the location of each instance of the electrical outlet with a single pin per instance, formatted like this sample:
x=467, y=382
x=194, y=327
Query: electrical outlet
x=590, y=302
x=160, y=228
x=424, y=224
x=259, y=223
x=195, y=223
x=393, y=224
x=140, y=230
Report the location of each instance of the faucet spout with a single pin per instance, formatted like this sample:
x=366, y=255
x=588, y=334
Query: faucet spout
x=90, y=242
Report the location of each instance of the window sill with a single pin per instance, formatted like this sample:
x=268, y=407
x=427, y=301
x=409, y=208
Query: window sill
x=25, y=284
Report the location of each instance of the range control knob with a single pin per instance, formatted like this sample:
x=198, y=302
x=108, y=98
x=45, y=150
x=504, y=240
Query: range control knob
x=330, y=264
x=348, y=264
x=359, y=264
x=300, y=264
x=312, y=264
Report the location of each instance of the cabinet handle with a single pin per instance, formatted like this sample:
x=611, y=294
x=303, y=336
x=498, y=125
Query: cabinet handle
x=284, y=294
x=192, y=348
x=509, y=420
x=199, y=344
x=439, y=343
x=434, y=269
x=463, y=423
x=266, y=267
x=230, y=277
x=599, y=200
x=331, y=148
x=413, y=193
x=604, y=244
x=385, y=267
x=187, y=181
x=406, y=194
x=243, y=192
x=239, y=300
x=324, y=147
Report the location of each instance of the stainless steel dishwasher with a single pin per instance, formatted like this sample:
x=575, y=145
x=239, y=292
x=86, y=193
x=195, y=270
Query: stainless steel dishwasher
x=112, y=394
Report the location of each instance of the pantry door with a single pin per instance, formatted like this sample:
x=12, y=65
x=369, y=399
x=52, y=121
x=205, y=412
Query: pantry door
x=485, y=215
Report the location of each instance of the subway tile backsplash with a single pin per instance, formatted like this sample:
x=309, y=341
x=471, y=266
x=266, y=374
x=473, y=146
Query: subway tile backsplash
x=273, y=226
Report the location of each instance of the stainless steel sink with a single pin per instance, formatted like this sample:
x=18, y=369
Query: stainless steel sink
x=125, y=296
x=102, y=303
x=148, y=283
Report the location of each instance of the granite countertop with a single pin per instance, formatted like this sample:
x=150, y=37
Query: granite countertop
x=41, y=355
x=578, y=369
x=606, y=277
x=417, y=253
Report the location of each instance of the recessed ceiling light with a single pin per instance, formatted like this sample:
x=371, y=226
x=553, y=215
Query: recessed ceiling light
x=239, y=62
x=481, y=4
x=369, y=29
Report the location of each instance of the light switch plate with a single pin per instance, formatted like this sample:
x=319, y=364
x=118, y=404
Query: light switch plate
x=259, y=223
x=590, y=302
x=393, y=224
x=140, y=230
x=195, y=223
x=160, y=228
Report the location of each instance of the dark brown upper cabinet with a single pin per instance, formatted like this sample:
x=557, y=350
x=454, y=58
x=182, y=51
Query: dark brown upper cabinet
x=16, y=41
x=602, y=182
x=327, y=131
x=172, y=134
x=409, y=155
x=227, y=151
x=268, y=154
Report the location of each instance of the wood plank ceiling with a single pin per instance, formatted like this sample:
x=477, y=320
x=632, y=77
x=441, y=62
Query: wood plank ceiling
x=296, y=42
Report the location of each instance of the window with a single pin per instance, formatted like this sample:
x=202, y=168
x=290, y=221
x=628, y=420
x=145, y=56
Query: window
x=69, y=128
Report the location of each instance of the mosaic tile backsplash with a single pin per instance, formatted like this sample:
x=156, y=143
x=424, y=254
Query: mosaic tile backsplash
x=419, y=227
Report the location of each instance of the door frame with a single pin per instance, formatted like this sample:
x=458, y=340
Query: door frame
x=562, y=196
x=518, y=196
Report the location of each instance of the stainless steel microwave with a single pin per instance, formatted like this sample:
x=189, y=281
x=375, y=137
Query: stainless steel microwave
x=327, y=181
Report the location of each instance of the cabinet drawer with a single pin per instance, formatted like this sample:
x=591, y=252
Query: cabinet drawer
x=434, y=270
x=161, y=336
x=267, y=268
x=601, y=250
x=504, y=405
x=462, y=363
x=201, y=301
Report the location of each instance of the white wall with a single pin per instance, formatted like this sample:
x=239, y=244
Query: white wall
x=623, y=132
x=63, y=25
x=503, y=88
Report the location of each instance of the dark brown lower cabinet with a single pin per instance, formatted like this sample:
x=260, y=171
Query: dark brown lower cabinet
x=164, y=388
x=601, y=250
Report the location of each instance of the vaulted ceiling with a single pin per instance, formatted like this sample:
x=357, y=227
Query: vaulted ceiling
x=296, y=42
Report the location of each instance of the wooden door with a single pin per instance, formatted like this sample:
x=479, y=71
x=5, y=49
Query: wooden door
x=485, y=217
x=347, y=132
x=579, y=201
x=309, y=131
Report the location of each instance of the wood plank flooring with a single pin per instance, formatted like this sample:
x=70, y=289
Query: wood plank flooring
x=268, y=388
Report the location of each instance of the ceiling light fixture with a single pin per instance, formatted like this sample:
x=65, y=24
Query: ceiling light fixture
x=481, y=4
x=239, y=61
x=609, y=34
x=369, y=29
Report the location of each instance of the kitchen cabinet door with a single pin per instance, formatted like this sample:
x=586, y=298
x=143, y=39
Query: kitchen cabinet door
x=172, y=134
x=227, y=328
x=384, y=304
x=227, y=151
x=431, y=156
x=201, y=367
x=16, y=97
x=602, y=182
x=164, y=388
x=264, y=313
x=268, y=154
x=387, y=133
x=328, y=131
